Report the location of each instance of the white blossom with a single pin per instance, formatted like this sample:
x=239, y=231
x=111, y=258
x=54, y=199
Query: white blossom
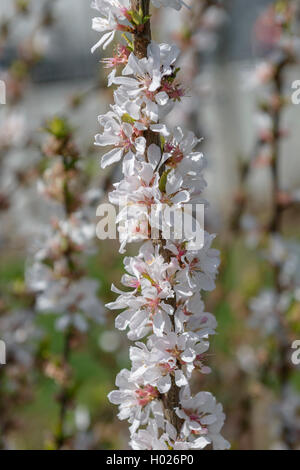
x=147, y=87
x=113, y=18
x=202, y=417
x=136, y=401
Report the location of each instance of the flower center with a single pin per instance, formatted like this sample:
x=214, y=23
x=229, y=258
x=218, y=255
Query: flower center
x=146, y=394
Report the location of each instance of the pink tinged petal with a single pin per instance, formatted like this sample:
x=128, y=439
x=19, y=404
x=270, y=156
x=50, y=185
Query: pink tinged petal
x=180, y=379
x=138, y=319
x=173, y=54
x=154, y=155
x=161, y=128
x=171, y=431
x=188, y=355
x=126, y=81
x=147, y=175
x=154, y=58
x=181, y=414
x=209, y=419
x=122, y=378
x=219, y=443
x=152, y=373
x=155, y=83
x=152, y=110
x=128, y=164
x=205, y=282
x=167, y=308
x=161, y=98
x=194, y=426
x=116, y=290
x=116, y=397
x=133, y=93
x=111, y=157
x=117, y=305
x=164, y=384
x=102, y=139
x=174, y=183
x=106, y=39
x=122, y=320
x=181, y=197
x=200, y=443
x=127, y=128
x=135, y=425
x=178, y=134
x=111, y=77
x=139, y=126
x=158, y=325
x=140, y=145
x=100, y=25
x=133, y=66
x=133, y=109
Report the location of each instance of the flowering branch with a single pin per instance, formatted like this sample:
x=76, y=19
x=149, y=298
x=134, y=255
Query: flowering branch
x=141, y=42
x=162, y=172
x=57, y=276
x=273, y=305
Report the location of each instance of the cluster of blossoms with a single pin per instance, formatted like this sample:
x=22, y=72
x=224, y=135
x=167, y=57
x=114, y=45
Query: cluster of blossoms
x=277, y=35
x=18, y=157
x=117, y=15
x=277, y=39
x=56, y=275
x=162, y=303
x=284, y=256
x=275, y=313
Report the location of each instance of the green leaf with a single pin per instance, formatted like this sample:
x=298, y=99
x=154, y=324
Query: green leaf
x=136, y=18
x=163, y=180
x=129, y=43
x=146, y=18
x=58, y=127
x=127, y=118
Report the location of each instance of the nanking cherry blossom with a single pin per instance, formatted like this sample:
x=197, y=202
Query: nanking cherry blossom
x=116, y=15
x=162, y=302
x=148, y=87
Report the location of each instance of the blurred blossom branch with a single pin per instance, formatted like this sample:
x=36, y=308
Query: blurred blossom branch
x=57, y=279
x=17, y=322
x=272, y=306
x=57, y=275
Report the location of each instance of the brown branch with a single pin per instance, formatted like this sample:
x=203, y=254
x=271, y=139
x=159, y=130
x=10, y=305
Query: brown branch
x=275, y=228
x=63, y=396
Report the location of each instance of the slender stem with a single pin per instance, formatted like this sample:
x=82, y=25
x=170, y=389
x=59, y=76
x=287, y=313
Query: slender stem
x=64, y=392
x=63, y=395
x=275, y=229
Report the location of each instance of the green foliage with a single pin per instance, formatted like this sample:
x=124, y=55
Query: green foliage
x=58, y=127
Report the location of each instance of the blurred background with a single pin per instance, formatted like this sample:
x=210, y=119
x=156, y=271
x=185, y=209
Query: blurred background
x=231, y=51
